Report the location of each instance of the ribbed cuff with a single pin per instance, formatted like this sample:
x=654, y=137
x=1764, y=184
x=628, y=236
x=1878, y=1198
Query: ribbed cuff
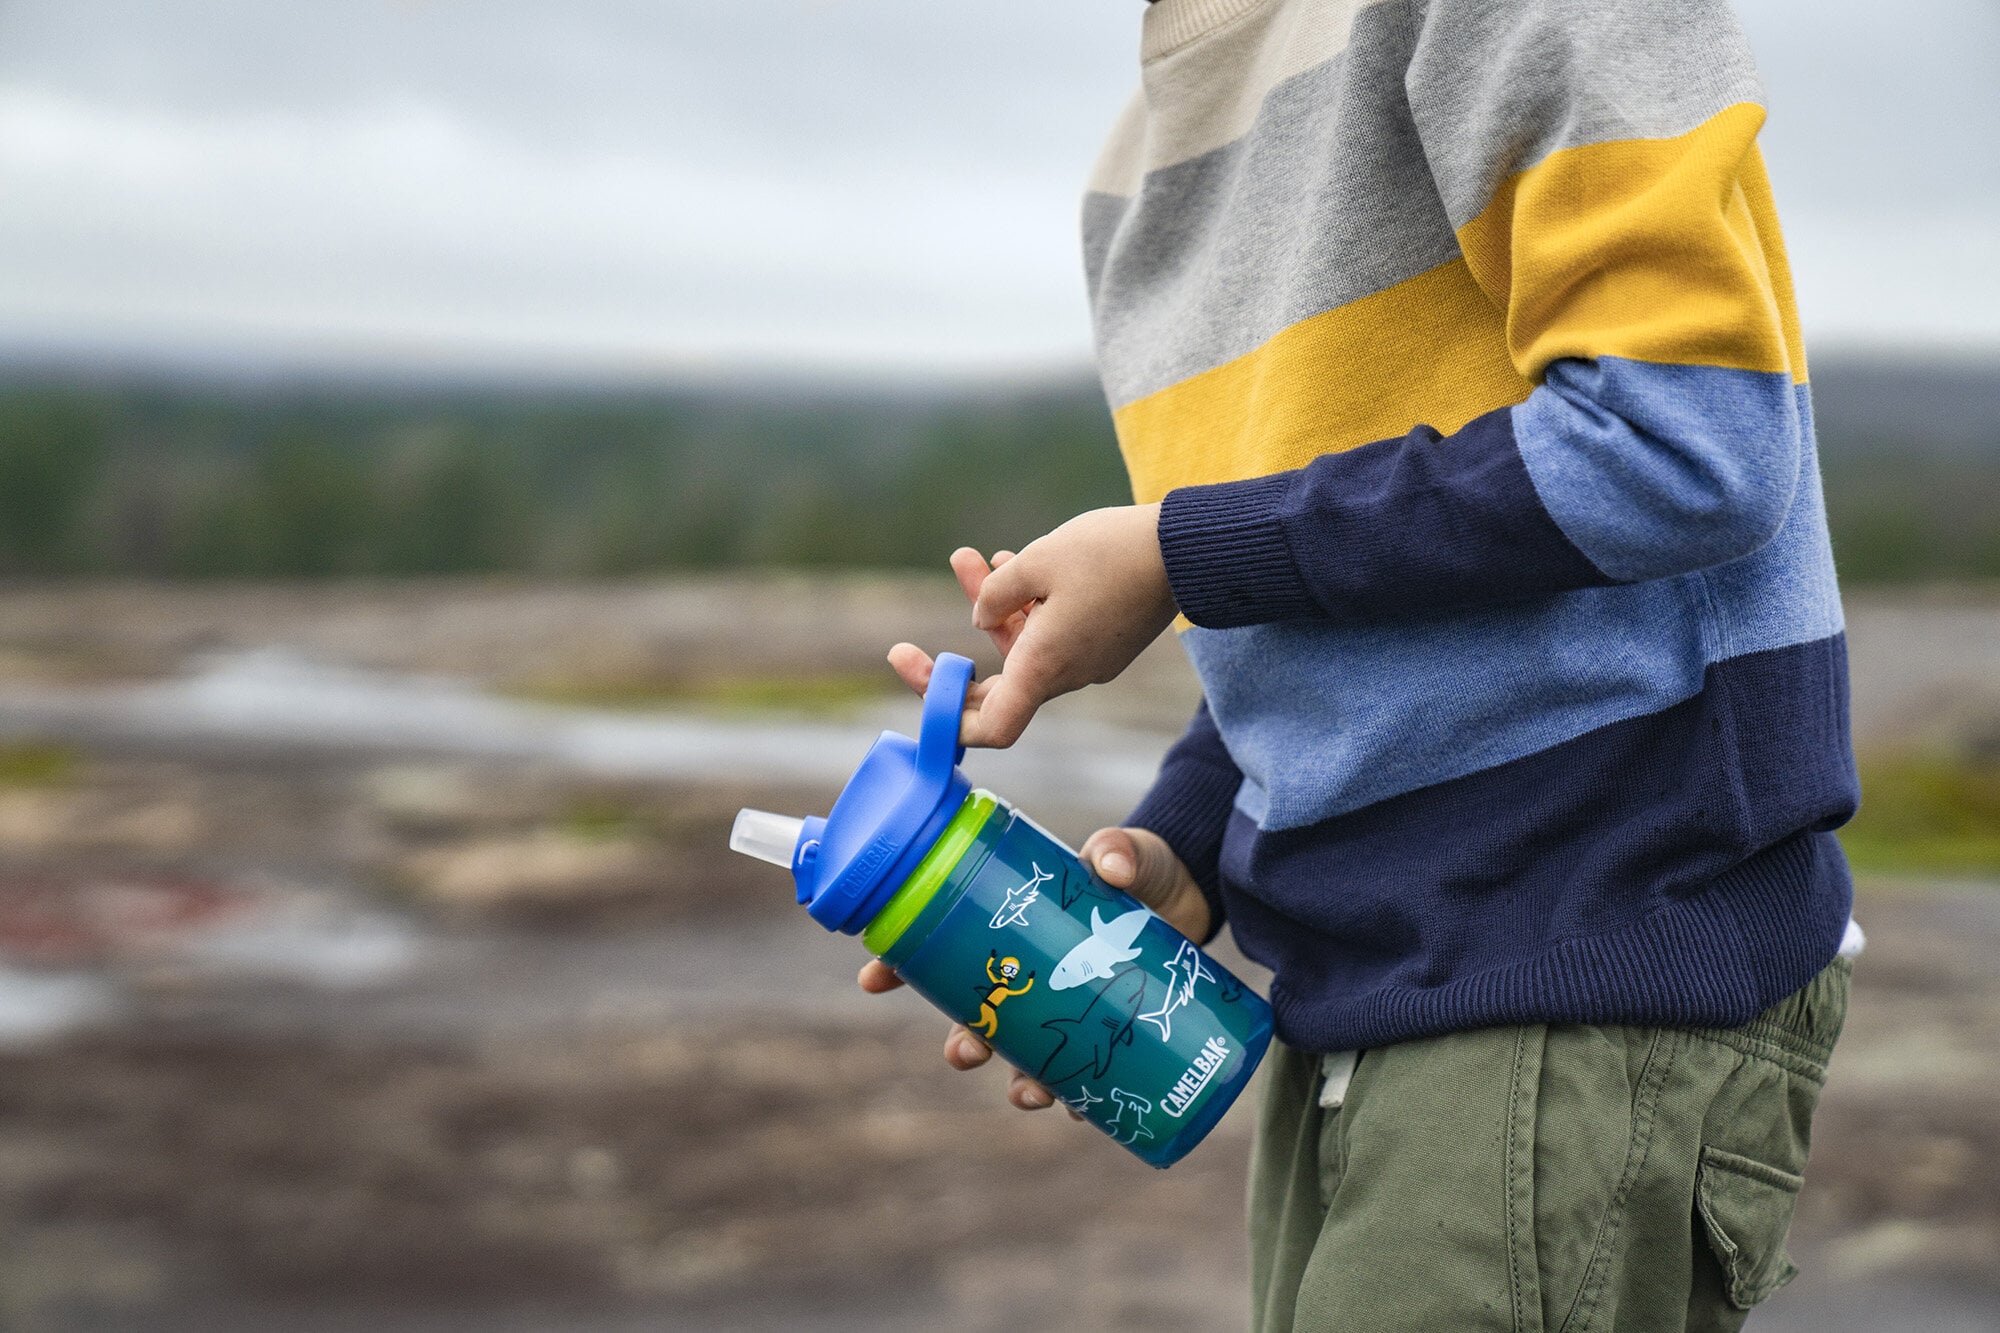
x=1228, y=559
x=1189, y=807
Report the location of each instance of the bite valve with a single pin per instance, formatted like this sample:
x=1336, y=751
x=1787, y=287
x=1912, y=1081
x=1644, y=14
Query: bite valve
x=766, y=836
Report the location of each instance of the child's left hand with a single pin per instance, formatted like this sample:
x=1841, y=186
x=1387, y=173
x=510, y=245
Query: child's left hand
x=1072, y=609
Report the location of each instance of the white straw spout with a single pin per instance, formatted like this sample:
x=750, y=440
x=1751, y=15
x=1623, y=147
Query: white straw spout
x=766, y=836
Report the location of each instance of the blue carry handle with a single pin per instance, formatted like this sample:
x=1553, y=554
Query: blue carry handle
x=938, y=750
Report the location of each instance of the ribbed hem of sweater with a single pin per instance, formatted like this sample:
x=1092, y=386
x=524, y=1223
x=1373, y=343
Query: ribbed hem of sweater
x=1172, y=24
x=1716, y=959
x=1189, y=807
x=1228, y=559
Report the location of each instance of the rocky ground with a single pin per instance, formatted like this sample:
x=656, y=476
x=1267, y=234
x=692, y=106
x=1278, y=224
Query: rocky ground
x=328, y=1032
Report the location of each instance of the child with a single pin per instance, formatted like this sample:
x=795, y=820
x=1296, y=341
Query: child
x=1524, y=727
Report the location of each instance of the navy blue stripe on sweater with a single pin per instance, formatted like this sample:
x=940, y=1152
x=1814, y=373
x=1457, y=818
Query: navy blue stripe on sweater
x=1189, y=805
x=1673, y=868
x=1402, y=526
x=1612, y=471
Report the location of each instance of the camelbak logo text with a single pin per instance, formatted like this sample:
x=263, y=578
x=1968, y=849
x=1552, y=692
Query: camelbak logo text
x=1207, y=1060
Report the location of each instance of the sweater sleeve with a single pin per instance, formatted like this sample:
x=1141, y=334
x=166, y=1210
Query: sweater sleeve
x=1600, y=168
x=1189, y=805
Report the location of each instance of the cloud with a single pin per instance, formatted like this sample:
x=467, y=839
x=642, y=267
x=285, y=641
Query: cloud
x=832, y=183
x=399, y=221
x=835, y=184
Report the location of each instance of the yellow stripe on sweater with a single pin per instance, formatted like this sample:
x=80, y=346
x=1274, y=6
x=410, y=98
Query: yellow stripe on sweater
x=1428, y=349
x=1651, y=249
x=1662, y=250
x=1764, y=213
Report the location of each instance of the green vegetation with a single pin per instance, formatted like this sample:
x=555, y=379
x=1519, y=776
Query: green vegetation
x=36, y=764
x=602, y=818
x=304, y=483
x=1901, y=517
x=829, y=692
x=1927, y=814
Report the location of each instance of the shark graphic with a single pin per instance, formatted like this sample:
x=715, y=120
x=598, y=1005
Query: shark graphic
x=1076, y=883
x=1183, y=970
x=1088, y=1041
x=1138, y=1106
x=1083, y=1101
x=1014, y=910
x=1110, y=944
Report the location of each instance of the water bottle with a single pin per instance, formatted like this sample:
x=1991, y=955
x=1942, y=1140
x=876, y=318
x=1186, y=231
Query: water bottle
x=998, y=924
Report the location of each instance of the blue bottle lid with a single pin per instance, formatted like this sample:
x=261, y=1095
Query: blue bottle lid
x=848, y=865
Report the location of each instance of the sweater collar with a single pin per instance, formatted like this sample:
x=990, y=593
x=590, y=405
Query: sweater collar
x=1172, y=24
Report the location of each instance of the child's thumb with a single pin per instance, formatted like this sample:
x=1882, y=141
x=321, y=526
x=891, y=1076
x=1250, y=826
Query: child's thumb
x=1129, y=863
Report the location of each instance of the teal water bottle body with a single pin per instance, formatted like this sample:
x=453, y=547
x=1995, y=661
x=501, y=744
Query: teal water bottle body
x=1122, y=1017
x=999, y=925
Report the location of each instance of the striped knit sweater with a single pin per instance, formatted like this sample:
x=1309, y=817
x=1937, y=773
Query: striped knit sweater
x=1457, y=339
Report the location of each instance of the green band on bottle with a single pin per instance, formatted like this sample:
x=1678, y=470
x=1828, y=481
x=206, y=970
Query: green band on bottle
x=930, y=874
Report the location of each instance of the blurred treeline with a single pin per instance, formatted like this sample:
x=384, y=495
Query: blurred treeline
x=132, y=477
x=312, y=482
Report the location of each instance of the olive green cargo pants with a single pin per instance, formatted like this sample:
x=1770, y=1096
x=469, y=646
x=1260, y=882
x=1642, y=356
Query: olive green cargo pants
x=1558, y=1177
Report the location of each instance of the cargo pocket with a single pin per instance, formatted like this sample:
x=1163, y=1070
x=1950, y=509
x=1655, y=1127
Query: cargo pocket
x=1746, y=1208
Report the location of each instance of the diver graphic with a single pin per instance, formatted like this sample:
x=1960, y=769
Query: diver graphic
x=1183, y=970
x=1001, y=988
x=1014, y=911
x=1138, y=1106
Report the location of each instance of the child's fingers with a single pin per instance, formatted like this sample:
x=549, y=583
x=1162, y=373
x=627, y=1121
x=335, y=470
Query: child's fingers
x=1142, y=864
x=971, y=569
x=877, y=977
x=1010, y=629
x=962, y=1050
x=913, y=664
x=1009, y=632
x=1125, y=862
x=1112, y=853
x=1007, y=591
x=1001, y=712
x=1027, y=1094
x=997, y=709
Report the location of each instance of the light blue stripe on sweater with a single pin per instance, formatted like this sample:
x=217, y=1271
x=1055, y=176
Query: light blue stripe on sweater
x=1653, y=470
x=1783, y=593
x=1325, y=718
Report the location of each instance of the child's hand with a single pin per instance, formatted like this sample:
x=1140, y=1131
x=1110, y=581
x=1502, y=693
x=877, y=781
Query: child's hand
x=1072, y=609
x=1133, y=859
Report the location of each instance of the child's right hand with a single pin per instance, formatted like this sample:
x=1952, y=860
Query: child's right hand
x=1074, y=608
x=1133, y=859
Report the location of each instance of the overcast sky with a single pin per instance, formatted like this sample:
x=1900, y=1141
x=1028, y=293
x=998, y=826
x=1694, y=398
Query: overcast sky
x=828, y=185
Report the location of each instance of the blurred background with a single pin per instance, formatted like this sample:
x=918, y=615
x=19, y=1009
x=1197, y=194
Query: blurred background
x=452, y=454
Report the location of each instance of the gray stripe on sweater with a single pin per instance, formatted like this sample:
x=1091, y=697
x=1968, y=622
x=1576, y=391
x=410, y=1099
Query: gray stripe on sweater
x=1498, y=87
x=1327, y=199
x=1101, y=215
x=1334, y=194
